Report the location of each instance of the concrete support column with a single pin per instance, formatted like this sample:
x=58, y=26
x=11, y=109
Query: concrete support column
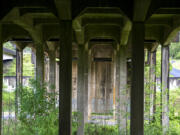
x=165, y=88
x=19, y=66
x=33, y=58
x=39, y=62
x=93, y=86
x=46, y=68
x=65, y=80
x=52, y=73
x=152, y=79
x=89, y=110
x=123, y=89
x=121, y=86
x=86, y=81
x=19, y=77
x=1, y=76
x=57, y=76
x=137, y=87
x=82, y=91
x=52, y=69
x=115, y=85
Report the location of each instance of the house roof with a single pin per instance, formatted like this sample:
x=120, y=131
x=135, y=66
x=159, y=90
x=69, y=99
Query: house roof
x=9, y=52
x=175, y=72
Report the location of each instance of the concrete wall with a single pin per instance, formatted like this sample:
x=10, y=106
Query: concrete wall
x=101, y=92
x=102, y=101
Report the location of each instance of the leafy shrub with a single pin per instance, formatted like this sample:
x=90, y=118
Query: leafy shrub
x=94, y=129
x=38, y=114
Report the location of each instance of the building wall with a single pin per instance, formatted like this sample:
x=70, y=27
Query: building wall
x=10, y=82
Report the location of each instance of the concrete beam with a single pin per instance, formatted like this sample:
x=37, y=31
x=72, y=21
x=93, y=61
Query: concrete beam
x=125, y=32
x=102, y=31
x=65, y=81
x=157, y=20
x=64, y=9
x=106, y=11
x=154, y=33
x=51, y=31
x=13, y=31
x=165, y=88
x=137, y=88
x=141, y=8
x=168, y=10
x=170, y=33
x=102, y=20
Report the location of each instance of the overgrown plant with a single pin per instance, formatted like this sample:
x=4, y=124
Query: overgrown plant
x=38, y=115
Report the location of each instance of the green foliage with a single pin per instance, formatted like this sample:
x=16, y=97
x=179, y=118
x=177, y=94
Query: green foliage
x=175, y=50
x=158, y=62
x=94, y=129
x=38, y=114
x=154, y=127
x=12, y=69
x=28, y=67
x=8, y=101
x=9, y=45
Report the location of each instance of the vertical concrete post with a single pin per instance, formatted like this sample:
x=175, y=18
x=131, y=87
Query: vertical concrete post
x=52, y=70
x=122, y=90
x=46, y=68
x=86, y=85
x=165, y=88
x=115, y=93
x=117, y=86
x=39, y=61
x=89, y=110
x=57, y=75
x=137, y=87
x=65, y=78
x=82, y=91
x=1, y=76
x=93, y=85
x=152, y=79
x=121, y=86
x=19, y=77
x=33, y=59
x=52, y=74
x=19, y=66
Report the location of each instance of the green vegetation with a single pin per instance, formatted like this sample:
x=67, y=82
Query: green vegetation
x=9, y=45
x=28, y=67
x=8, y=101
x=12, y=69
x=39, y=116
x=175, y=50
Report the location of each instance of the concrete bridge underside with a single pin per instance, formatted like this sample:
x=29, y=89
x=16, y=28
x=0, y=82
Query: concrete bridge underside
x=99, y=39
